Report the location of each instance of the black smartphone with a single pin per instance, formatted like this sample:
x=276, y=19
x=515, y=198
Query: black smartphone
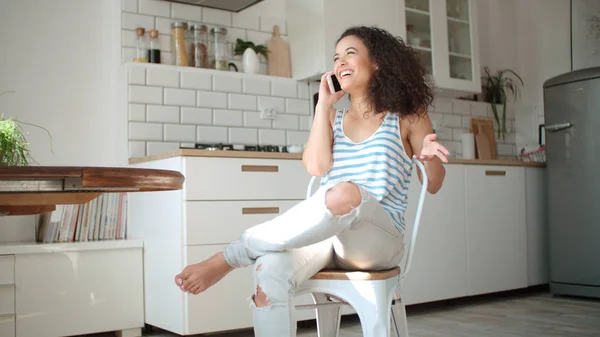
x=334, y=84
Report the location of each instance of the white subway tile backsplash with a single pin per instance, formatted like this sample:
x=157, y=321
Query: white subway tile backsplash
x=186, y=12
x=196, y=116
x=466, y=122
x=133, y=21
x=128, y=38
x=162, y=114
x=305, y=123
x=145, y=131
x=452, y=121
x=163, y=25
x=243, y=136
x=137, y=112
x=137, y=75
x=284, y=89
x=183, y=97
x=258, y=37
x=252, y=119
x=297, y=137
x=506, y=150
x=257, y=86
x=207, y=99
x=437, y=119
x=461, y=107
x=235, y=33
x=211, y=134
x=155, y=7
x=287, y=122
x=137, y=149
x=442, y=105
x=180, y=133
x=162, y=77
x=245, y=20
x=267, y=23
x=129, y=6
x=303, y=90
x=457, y=134
x=150, y=95
x=479, y=109
x=216, y=17
x=228, y=118
x=297, y=106
x=227, y=83
x=271, y=137
x=157, y=148
x=196, y=81
x=276, y=103
x=444, y=133
x=242, y=102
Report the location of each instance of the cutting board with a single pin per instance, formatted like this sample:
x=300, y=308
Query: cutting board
x=278, y=62
x=485, y=139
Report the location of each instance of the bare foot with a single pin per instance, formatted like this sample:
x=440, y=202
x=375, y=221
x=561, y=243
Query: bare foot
x=198, y=277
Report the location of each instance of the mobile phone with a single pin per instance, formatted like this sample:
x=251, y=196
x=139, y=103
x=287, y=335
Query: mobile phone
x=334, y=84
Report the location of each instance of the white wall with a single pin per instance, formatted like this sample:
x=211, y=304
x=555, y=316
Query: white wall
x=531, y=37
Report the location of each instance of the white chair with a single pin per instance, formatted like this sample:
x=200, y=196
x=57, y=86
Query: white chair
x=375, y=295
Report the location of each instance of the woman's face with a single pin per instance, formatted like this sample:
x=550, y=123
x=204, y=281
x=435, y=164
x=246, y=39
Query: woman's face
x=352, y=65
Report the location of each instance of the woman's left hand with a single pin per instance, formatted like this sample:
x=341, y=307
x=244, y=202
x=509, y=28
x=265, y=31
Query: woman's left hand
x=431, y=149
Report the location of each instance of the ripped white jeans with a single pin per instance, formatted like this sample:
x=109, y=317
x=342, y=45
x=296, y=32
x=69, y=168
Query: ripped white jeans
x=294, y=246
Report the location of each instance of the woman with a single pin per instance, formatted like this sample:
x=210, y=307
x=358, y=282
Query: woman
x=356, y=218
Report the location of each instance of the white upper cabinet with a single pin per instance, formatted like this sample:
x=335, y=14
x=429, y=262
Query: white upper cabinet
x=444, y=33
x=315, y=25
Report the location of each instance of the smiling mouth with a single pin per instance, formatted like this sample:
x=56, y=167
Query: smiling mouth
x=346, y=73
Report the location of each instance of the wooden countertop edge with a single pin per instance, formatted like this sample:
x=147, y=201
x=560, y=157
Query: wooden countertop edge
x=298, y=156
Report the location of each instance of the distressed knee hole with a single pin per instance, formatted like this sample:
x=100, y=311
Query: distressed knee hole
x=343, y=198
x=260, y=298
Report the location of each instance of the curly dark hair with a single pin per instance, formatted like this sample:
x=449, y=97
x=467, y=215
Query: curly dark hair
x=399, y=84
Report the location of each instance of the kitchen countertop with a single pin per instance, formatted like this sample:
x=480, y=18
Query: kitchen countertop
x=298, y=156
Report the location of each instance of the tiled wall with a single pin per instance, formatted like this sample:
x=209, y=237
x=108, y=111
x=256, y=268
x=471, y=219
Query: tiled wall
x=452, y=118
x=153, y=14
x=173, y=106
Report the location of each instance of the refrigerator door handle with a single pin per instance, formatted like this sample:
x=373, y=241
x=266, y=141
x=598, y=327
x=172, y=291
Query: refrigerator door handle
x=557, y=127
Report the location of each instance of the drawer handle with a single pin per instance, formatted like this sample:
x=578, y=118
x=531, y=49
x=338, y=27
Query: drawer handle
x=495, y=173
x=260, y=210
x=259, y=168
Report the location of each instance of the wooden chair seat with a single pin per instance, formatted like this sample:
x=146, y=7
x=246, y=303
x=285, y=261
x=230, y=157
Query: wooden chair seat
x=331, y=274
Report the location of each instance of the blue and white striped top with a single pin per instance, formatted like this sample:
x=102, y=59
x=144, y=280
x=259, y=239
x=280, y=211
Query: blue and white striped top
x=379, y=164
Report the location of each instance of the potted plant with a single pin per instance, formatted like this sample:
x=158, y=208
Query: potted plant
x=249, y=52
x=496, y=90
x=14, y=149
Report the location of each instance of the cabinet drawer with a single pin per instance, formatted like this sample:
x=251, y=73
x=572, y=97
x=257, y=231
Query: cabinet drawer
x=7, y=326
x=7, y=299
x=491, y=173
x=243, y=179
x=220, y=222
x=7, y=269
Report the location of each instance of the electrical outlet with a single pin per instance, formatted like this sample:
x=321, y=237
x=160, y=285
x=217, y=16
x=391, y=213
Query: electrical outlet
x=267, y=113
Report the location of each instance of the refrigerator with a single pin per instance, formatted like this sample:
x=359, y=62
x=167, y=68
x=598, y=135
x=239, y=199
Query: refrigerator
x=572, y=132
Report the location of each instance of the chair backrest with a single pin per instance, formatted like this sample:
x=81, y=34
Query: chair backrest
x=421, y=202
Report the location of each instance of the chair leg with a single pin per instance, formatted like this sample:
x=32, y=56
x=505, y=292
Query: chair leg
x=373, y=307
x=328, y=317
x=399, y=321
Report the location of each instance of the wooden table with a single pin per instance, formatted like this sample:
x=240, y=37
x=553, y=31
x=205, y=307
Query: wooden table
x=38, y=189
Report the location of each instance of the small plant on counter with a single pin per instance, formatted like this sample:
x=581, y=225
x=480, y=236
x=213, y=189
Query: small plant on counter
x=497, y=88
x=14, y=149
x=241, y=46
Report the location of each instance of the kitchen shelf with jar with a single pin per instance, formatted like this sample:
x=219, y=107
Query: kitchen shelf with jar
x=445, y=35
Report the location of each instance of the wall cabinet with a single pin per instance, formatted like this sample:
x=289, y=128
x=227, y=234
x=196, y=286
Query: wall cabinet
x=443, y=32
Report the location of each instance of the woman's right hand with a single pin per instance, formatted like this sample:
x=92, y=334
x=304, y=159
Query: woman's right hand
x=326, y=98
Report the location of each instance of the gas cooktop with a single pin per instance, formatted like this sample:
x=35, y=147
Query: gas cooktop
x=230, y=147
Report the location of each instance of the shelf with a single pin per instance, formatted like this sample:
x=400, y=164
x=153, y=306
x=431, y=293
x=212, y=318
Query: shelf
x=63, y=247
x=128, y=65
x=458, y=20
x=417, y=11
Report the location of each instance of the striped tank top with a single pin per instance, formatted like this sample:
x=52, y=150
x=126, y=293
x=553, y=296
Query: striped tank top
x=379, y=164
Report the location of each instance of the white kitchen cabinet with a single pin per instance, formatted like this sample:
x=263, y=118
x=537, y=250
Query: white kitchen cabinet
x=445, y=34
x=314, y=26
x=537, y=227
x=439, y=266
x=496, y=228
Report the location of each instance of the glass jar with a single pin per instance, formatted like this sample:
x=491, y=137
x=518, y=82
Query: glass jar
x=141, y=46
x=198, y=46
x=219, y=58
x=179, y=50
x=154, y=47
